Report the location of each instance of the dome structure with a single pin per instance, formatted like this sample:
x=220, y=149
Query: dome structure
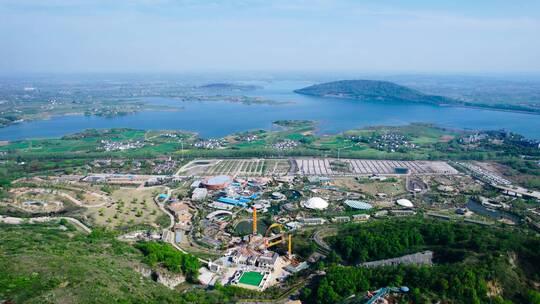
x=405, y=203
x=316, y=203
x=218, y=182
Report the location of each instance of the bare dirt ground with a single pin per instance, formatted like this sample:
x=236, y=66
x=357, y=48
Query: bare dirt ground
x=492, y=167
x=372, y=187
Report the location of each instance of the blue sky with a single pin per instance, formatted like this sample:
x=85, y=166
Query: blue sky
x=474, y=36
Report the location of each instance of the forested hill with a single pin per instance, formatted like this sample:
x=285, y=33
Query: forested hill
x=371, y=90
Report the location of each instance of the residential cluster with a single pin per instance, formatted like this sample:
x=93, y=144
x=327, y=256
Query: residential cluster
x=210, y=144
x=286, y=144
x=109, y=145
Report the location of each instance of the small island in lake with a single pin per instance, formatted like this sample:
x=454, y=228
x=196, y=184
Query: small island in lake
x=372, y=90
x=229, y=87
x=375, y=90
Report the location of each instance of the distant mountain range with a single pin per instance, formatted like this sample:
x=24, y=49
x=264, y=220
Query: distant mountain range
x=372, y=90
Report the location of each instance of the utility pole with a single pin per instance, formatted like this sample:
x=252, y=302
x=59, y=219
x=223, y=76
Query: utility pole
x=339, y=150
x=182, y=149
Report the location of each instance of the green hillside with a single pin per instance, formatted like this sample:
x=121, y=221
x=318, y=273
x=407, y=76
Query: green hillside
x=371, y=90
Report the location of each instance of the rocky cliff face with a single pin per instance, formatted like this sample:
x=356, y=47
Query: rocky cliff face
x=169, y=279
x=161, y=276
x=144, y=271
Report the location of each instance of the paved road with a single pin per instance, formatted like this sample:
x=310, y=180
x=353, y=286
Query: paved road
x=319, y=236
x=162, y=207
x=172, y=222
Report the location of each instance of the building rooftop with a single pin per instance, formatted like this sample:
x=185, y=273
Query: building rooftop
x=316, y=203
x=358, y=205
x=405, y=203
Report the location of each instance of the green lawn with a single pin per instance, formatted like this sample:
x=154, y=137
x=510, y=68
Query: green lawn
x=251, y=278
x=254, y=144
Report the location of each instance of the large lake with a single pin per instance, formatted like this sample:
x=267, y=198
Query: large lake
x=219, y=118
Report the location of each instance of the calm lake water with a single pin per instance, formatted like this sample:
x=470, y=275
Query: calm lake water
x=219, y=118
x=477, y=207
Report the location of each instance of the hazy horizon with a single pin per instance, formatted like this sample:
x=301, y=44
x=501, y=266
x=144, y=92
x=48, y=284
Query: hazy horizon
x=372, y=37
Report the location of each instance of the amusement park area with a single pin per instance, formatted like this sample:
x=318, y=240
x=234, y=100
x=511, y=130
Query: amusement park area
x=248, y=213
x=260, y=224
x=241, y=224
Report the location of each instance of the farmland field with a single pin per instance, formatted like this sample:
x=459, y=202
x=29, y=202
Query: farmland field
x=239, y=167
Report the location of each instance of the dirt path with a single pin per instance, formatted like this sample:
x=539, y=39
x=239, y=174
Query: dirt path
x=79, y=203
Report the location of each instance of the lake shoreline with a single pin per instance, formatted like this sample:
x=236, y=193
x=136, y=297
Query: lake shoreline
x=456, y=105
x=491, y=109
x=218, y=118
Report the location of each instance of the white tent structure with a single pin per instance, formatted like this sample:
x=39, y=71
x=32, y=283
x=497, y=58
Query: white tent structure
x=405, y=203
x=316, y=203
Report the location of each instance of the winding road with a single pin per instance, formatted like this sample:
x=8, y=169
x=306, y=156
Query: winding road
x=162, y=207
x=319, y=236
x=172, y=222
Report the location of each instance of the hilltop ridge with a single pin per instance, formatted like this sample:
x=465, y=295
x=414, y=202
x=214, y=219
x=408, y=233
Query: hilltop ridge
x=371, y=90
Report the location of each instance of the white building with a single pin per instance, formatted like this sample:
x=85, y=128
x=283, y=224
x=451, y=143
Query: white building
x=199, y=194
x=316, y=203
x=311, y=221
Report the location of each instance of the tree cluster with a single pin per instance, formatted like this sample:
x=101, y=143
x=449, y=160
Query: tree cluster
x=170, y=258
x=468, y=258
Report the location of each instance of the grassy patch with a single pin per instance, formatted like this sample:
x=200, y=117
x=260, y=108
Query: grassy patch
x=44, y=264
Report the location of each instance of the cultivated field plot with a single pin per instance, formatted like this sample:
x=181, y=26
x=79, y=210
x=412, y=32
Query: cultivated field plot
x=277, y=167
x=311, y=166
x=322, y=166
x=237, y=167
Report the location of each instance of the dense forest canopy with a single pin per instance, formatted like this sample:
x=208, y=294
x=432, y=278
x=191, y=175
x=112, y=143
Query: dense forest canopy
x=170, y=258
x=473, y=264
x=371, y=90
